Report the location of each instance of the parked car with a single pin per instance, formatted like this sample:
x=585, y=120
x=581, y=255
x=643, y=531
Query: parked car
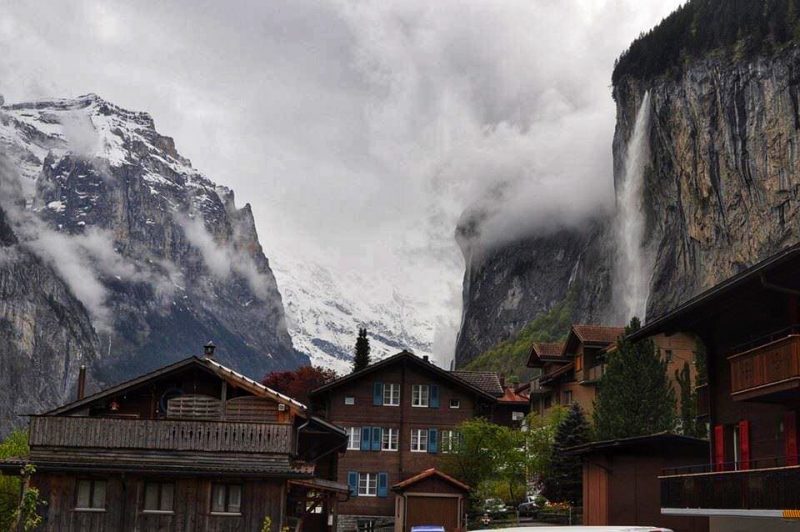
x=494, y=508
x=528, y=508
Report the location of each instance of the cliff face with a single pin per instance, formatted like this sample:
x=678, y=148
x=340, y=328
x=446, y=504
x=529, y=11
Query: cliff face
x=723, y=177
x=45, y=334
x=159, y=255
x=507, y=286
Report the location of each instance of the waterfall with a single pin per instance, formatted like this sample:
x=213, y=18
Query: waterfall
x=633, y=264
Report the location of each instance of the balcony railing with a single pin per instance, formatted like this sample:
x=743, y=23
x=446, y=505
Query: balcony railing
x=766, y=370
x=166, y=434
x=768, y=485
x=594, y=373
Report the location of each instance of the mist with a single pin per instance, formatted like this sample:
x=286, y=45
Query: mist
x=360, y=131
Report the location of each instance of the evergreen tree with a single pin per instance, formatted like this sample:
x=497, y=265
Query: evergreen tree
x=361, y=359
x=634, y=396
x=563, y=481
x=688, y=409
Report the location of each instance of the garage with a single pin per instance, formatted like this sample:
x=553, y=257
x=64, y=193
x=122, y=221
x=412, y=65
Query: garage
x=430, y=498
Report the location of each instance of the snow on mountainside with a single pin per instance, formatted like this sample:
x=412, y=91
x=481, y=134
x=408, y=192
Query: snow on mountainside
x=324, y=313
x=159, y=255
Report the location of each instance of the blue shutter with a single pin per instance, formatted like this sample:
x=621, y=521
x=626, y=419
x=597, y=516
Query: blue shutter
x=377, y=435
x=383, y=484
x=366, y=441
x=433, y=443
x=434, y=399
x=377, y=393
x=352, y=483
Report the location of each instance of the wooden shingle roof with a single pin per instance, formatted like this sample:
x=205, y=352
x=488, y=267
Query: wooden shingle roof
x=487, y=381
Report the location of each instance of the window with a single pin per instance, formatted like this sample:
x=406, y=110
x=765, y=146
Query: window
x=389, y=440
x=158, y=497
x=91, y=495
x=455, y=403
x=226, y=499
x=578, y=362
x=420, y=394
x=367, y=484
x=448, y=441
x=391, y=394
x=349, y=400
x=567, y=398
x=365, y=525
x=354, y=438
x=419, y=440
x=518, y=416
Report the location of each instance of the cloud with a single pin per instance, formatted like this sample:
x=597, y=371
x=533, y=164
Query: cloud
x=359, y=131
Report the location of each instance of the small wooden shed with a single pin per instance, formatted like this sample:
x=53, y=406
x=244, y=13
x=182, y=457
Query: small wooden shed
x=430, y=498
x=620, y=479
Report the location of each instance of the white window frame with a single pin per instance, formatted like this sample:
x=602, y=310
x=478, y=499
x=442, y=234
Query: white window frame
x=349, y=400
x=390, y=439
x=391, y=394
x=446, y=441
x=419, y=440
x=353, y=438
x=369, y=481
x=455, y=403
x=420, y=395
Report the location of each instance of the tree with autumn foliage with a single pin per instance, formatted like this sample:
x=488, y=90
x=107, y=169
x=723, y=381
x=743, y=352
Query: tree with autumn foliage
x=298, y=383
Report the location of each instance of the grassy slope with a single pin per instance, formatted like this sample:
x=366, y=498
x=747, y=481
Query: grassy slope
x=509, y=356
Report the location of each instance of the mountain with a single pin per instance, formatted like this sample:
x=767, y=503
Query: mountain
x=158, y=254
x=324, y=312
x=707, y=178
x=45, y=333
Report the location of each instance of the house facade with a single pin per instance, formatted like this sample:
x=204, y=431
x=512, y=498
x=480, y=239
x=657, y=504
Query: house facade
x=193, y=446
x=400, y=415
x=570, y=371
x=749, y=325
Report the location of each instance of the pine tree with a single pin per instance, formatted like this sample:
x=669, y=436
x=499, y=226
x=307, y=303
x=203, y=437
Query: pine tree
x=688, y=408
x=361, y=359
x=563, y=481
x=634, y=397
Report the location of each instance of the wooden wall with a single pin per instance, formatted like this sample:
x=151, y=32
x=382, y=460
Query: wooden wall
x=125, y=499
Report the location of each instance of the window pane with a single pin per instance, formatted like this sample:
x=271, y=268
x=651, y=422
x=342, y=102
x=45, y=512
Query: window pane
x=372, y=488
x=218, y=498
x=234, y=498
x=151, y=496
x=167, y=491
x=99, y=495
x=84, y=489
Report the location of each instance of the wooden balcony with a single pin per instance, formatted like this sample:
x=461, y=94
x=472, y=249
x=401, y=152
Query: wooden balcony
x=537, y=388
x=771, y=487
x=594, y=373
x=767, y=372
x=160, y=435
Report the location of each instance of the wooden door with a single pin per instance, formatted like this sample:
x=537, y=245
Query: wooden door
x=595, y=495
x=423, y=510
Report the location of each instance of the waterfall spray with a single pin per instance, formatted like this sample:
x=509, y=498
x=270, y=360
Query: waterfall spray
x=632, y=268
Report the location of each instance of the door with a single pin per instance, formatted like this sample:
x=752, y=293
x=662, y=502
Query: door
x=426, y=510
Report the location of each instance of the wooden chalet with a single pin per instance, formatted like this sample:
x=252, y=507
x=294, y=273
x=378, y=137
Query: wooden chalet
x=570, y=371
x=750, y=325
x=193, y=446
x=401, y=414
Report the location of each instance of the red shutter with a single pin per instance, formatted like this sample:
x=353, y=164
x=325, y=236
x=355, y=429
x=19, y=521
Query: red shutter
x=744, y=444
x=790, y=437
x=719, y=448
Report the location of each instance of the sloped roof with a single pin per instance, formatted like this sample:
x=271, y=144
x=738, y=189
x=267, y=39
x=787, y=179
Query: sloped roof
x=451, y=376
x=513, y=396
x=669, y=438
x=545, y=352
x=207, y=364
x=432, y=472
x=487, y=381
x=597, y=334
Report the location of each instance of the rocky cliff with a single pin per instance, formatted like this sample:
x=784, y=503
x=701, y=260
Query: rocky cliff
x=45, y=334
x=723, y=177
x=160, y=256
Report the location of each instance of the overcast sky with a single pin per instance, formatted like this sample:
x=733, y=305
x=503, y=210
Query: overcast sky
x=359, y=131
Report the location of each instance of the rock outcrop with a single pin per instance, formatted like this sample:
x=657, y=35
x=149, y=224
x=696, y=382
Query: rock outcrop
x=159, y=255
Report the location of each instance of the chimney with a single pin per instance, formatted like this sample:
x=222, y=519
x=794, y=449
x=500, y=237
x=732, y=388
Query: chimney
x=82, y=382
x=502, y=380
x=425, y=358
x=208, y=349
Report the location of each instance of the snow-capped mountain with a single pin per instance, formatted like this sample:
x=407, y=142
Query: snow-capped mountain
x=324, y=312
x=157, y=253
